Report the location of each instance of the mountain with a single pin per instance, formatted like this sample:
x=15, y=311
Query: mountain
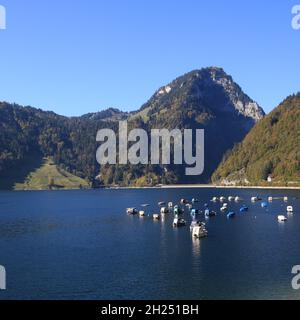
x=270, y=150
x=206, y=98
x=208, y=90
x=110, y=114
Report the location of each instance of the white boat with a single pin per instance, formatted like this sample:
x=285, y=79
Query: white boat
x=156, y=216
x=230, y=198
x=199, y=232
x=162, y=203
x=237, y=199
x=270, y=199
x=215, y=199
x=132, y=211
x=222, y=199
x=164, y=210
x=142, y=213
x=178, y=222
x=170, y=204
x=225, y=205
x=189, y=206
x=223, y=209
x=196, y=223
x=254, y=199
x=290, y=209
x=184, y=201
x=282, y=218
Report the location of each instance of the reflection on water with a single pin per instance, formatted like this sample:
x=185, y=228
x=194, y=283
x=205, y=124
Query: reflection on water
x=196, y=246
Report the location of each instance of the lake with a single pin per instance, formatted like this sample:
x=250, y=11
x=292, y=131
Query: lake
x=82, y=245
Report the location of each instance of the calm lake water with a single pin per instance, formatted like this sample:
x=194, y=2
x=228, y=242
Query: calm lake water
x=82, y=245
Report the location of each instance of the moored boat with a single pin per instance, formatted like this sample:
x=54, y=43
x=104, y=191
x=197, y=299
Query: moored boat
x=156, y=216
x=179, y=222
x=132, y=211
x=199, y=232
x=142, y=213
x=290, y=209
x=282, y=218
x=230, y=215
x=164, y=210
x=244, y=209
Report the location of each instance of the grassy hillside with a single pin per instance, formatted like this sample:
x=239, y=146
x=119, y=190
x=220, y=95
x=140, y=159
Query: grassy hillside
x=271, y=149
x=49, y=176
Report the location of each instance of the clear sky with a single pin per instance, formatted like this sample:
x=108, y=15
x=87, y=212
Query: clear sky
x=79, y=56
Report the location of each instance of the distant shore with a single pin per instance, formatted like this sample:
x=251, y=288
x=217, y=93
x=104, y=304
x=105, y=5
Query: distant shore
x=198, y=186
x=175, y=186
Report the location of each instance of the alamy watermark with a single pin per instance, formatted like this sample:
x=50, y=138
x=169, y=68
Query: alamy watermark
x=159, y=144
x=296, y=278
x=2, y=18
x=296, y=17
x=2, y=278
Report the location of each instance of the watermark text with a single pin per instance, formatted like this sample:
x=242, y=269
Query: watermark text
x=134, y=146
x=2, y=18
x=296, y=17
x=2, y=278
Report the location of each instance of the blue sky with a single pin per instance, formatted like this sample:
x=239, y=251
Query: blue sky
x=78, y=56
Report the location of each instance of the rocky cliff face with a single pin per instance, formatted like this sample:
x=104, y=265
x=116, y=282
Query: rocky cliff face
x=209, y=88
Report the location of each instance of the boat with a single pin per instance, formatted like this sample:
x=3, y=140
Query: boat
x=184, y=201
x=244, y=209
x=156, y=216
x=142, y=213
x=237, y=199
x=223, y=209
x=230, y=215
x=178, y=210
x=196, y=223
x=132, y=211
x=170, y=204
x=189, y=206
x=145, y=205
x=164, y=210
x=215, y=199
x=264, y=204
x=289, y=209
x=270, y=199
x=285, y=199
x=282, y=218
x=199, y=232
x=194, y=213
x=194, y=200
x=162, y=203
x=222, y=199
x=254, y=199
x=209, y=213
x=230, y=198
x=178, y=222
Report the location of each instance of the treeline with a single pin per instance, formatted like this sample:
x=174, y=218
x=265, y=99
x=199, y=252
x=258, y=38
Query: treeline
x=270, y=150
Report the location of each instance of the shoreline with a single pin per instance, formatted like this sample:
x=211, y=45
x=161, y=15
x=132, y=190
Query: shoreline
x=179, y=186
x=204, y=186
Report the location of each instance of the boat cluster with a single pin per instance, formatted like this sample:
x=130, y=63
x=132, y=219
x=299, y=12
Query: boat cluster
x=197, y=227
x=244, y=208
